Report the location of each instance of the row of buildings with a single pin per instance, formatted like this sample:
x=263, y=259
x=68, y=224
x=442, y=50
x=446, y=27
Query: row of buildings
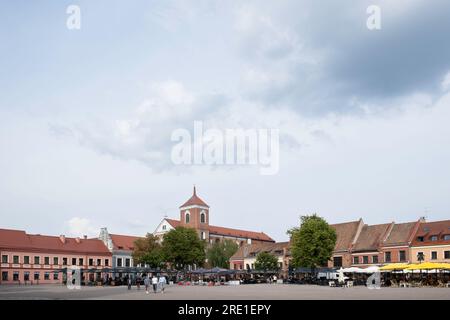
x=362, y=245
x=38, y=258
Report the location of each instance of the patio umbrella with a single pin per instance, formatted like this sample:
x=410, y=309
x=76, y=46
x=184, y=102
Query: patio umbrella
x=394, y=267
x=341, y=277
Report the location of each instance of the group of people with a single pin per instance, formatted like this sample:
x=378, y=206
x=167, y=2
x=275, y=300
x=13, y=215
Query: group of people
x=156, y=282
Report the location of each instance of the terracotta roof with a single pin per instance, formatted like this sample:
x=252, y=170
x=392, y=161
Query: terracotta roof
x=194, y=201
x=345, y=233
x=122, y=242
x=250, y=250
x=370, y=237
x=400, y=234
x=239, y=233
x=428, y=229
x=19, y=240
x=222, y=231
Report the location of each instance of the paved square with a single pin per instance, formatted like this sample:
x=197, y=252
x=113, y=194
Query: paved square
x=254, y=291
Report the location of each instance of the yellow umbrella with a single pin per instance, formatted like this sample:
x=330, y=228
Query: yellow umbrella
x=444, y=266
x=394, y=266
x=426, y=266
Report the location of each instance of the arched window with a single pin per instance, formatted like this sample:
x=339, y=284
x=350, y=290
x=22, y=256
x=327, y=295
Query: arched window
x=202, y=217
x=187, y=217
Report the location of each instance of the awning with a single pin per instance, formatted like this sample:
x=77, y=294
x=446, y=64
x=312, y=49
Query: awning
x=394, y=266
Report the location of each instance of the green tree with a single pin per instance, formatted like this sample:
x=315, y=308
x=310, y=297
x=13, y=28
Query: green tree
x=313, y=243
x=266, y=261
x=182, y=247
x=219, y=253
x=148, y=251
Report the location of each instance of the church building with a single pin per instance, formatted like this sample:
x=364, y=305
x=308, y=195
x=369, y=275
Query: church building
x=194, y=213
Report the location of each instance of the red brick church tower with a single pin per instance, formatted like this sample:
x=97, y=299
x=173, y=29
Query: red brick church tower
x=194, y=213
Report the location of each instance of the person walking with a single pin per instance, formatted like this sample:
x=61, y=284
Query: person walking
x=155, y=283
x=138, y=283
x=146, y=283
x=162, y=283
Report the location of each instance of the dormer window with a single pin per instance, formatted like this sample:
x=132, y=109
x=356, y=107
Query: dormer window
x=420, y=239
x=447, y=237
x=434, y=238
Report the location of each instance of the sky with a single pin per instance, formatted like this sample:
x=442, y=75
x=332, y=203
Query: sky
x=86, y=115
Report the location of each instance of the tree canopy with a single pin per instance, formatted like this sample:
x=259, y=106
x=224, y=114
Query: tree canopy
x=266, y=261
x=182, y=247
x=219, y=253
x=148, y=251
x=313, y=243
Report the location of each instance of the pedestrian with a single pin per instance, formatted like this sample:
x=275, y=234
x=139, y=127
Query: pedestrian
x=138, y=283
x=155, y=283
x=162, y=282
x=146, y=283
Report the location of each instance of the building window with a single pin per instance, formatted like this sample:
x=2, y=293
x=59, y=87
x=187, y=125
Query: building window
x=420, y=239
x=74, y=261
x=420, y=256
x=46, y=261
x=4, y=258
x=119, y=262
x=91, y=262
x=164, y=227
x=127, y=262
x=99, y=262
x=337, y=261
x=26, y=260
x=446, y=254
x=202, y=217
x=26, y=276
x=387, y=256
x=106, y=262
x=374, y=259
x=203, y=235
x=37, y=260
x=447, y=237
x=15, y=276
x=64, y=261
x=355, y=260
x=4, y=275
x=16, y=259
x=36, y=276
x=47, y=276
x=402, y=255
x=365, y=259
x=55, y=275
x=80, y=261
x=434, y=238
x=433, y=255
x=187, y=217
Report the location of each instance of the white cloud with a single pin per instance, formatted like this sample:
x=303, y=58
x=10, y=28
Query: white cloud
x=78, y=227
x=445, y=85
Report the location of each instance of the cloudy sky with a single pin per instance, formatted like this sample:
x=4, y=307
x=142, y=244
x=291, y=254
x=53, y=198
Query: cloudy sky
x=86, y=115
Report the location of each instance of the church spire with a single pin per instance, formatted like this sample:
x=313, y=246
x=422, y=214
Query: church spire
x=195, y=193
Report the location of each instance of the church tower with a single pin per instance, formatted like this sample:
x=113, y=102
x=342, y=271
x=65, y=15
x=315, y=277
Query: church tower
x=194, y=213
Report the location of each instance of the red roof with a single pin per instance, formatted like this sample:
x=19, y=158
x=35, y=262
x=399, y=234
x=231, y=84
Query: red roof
x=230, y=232
x=122, y=242
x=438, y=229
x=194, y=201
x=19, y=240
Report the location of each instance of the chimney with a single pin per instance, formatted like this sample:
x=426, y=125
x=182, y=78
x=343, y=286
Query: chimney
x=422, y=219
x=62, y=238
x=85, y=237
x=77, y=240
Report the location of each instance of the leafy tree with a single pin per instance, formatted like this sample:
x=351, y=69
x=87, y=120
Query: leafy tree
x=313, y=243
x=148, y=251
x=182, y=247
x=219, y=253
x=266, y=261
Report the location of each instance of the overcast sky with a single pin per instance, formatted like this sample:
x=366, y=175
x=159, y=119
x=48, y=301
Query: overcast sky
x=86, y=115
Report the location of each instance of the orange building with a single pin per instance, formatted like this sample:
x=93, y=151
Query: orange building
x=29, y=258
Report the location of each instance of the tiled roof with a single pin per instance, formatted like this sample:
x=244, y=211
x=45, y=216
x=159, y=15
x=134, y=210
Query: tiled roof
x=345, y=233
x=428, y=229
x=400, y=234
x=194, y=200
x=122, y=242
x=19, y=240
x=222, y=231
x=370, y=237
x=250, y=250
